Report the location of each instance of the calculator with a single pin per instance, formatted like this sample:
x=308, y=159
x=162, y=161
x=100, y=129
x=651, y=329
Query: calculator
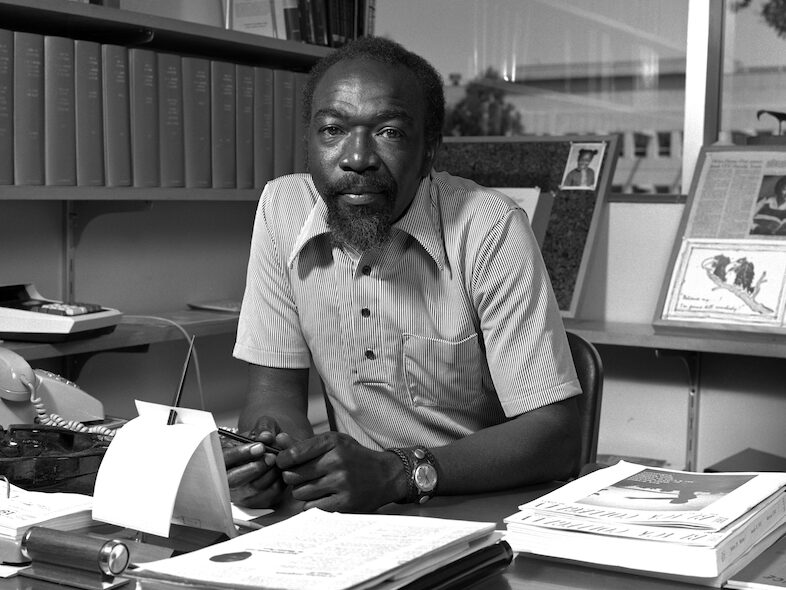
x=27, y=315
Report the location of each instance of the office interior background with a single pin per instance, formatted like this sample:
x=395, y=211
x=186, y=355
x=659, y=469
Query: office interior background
x=668, y=75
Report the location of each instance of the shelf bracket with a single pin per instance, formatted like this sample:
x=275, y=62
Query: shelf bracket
x=692, y=362
x=78, y=214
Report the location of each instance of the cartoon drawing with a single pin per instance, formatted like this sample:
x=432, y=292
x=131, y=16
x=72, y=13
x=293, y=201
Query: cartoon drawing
x=720, y=267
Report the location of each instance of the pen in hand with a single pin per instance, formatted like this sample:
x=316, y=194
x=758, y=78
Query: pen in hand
x=246, y=440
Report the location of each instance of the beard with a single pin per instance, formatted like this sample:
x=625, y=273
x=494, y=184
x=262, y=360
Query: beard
x=362, y=227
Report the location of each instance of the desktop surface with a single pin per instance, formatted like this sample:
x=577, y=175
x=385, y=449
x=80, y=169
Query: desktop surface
x=524, y=573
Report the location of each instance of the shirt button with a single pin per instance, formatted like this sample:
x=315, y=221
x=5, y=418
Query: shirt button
x=370, y=354
x=365, y=312
x=366, y=270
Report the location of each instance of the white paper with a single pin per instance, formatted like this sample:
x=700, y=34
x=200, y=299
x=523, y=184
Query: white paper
x=154, y=474
x=329, y=551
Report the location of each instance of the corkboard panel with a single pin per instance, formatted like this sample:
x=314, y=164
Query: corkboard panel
x=542, y=162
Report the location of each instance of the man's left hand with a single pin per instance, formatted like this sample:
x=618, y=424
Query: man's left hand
x=334, y=472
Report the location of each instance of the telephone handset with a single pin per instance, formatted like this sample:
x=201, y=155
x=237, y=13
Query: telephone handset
x=27, y=393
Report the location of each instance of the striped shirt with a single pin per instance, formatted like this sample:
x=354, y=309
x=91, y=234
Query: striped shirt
x=449, y=328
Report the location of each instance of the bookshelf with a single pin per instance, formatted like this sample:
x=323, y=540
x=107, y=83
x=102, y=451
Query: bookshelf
x=80, y=206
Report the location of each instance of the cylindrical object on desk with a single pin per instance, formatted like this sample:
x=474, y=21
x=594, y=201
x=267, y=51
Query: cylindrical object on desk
x=41, y=544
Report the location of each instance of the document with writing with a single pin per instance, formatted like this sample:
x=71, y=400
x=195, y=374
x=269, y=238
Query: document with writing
x=329, y=551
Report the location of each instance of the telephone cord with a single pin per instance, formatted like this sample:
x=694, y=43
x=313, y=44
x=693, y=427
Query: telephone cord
x=47, y=419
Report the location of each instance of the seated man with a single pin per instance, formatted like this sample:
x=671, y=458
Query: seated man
x=420, y=297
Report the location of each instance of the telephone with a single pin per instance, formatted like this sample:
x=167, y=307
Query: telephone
x=27, y=394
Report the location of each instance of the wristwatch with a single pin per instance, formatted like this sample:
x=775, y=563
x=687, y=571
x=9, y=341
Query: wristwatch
x=421, y=468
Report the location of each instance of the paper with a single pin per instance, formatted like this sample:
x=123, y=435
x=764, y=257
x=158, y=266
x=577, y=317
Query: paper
x=154, y=474
x=329, y=551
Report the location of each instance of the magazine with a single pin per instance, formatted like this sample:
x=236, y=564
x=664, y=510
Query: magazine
x=636, y=494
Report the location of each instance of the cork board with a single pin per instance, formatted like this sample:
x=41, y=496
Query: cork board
x=550, y=164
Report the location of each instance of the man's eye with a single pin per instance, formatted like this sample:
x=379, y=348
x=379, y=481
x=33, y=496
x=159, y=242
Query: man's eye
x=330, y=130
x=391, y=133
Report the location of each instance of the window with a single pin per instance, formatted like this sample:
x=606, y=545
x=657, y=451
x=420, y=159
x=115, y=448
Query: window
x=559, y=67
x=754, y=74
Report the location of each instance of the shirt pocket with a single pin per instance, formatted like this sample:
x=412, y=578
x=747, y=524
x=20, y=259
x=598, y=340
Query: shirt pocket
x=440, y=373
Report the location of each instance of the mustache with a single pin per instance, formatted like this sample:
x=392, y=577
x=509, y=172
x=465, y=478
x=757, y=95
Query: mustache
x=377, y=183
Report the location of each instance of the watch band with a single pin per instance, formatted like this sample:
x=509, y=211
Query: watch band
x=420, y=467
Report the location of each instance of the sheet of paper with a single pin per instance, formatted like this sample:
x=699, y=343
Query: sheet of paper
x=331, y=551
x=147, y=464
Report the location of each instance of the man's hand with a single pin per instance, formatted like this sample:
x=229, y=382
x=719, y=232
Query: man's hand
x=334, y=472
x=254, y=480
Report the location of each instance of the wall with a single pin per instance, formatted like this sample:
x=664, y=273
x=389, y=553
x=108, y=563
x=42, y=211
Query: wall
x=645, y=403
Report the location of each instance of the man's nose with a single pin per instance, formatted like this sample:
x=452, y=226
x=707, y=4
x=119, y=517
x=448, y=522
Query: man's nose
x=359, y=153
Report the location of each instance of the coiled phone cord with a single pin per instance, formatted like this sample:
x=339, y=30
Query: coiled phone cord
x=46, y=419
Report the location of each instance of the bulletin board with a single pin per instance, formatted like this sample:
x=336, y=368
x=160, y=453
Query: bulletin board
x=728, y=267
x=549, y=164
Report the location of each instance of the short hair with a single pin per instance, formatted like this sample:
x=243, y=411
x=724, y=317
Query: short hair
x=389, y=52
x=592, y=153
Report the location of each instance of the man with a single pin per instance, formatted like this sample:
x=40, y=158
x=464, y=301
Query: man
x=421, y=299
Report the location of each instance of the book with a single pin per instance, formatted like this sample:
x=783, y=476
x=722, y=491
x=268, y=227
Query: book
x=6, y=106
x=117, y=115
x=222, y=123
x=170, y=120
x=766, y=572
x=143, y=85
x=253, y=16
x=88, y=113
x=59, y=112
x=23, y=509
x=330, y=549
x=700, y=526
x=196, y=122
x=286, y=14
x=263, y=126
x=28, y=152
x=244, y=126
x=283, y=121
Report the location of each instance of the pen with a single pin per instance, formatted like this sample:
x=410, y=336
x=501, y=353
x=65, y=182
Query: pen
x=245, y=440
x=176, y=402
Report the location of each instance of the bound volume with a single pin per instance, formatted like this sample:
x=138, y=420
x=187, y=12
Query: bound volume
x=700, y=527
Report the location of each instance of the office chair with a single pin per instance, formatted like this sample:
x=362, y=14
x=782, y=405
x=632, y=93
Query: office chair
x=589, y=369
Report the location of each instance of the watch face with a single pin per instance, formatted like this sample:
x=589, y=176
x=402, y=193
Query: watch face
x=425, y=477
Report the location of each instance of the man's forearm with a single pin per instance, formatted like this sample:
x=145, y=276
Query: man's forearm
x=542, y=445
x=281, y=394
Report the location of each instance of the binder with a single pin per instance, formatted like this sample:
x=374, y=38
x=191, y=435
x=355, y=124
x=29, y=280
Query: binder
x=144, y=117
x=59, y=112
x=28, y=108
x=89, y=115
x=170, y=120
x=117, y=115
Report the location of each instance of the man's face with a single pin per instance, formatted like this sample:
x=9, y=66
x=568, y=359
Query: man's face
x=367, y=150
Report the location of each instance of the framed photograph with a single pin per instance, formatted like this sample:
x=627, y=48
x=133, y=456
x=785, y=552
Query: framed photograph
x=728, y=268
x=581, y=169
x=572, y=214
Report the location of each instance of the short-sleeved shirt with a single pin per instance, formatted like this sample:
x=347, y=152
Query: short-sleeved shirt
x=449, y=328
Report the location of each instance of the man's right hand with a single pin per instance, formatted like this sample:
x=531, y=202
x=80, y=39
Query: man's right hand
x=254, y=480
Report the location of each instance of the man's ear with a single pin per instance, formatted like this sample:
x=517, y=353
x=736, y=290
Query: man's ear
x=430, y=155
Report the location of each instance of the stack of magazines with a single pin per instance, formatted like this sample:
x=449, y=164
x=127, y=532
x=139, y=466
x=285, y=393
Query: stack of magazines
x=696, y=527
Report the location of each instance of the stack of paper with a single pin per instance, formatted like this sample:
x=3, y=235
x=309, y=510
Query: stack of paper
x=330, y=551
x=700, y=527
x=22, y=510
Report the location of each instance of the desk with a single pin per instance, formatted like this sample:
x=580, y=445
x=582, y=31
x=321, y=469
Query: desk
x=525, y=573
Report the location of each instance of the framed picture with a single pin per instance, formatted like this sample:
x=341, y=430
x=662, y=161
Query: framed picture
x=567, y=235
x=581, y=171
x=728, y=268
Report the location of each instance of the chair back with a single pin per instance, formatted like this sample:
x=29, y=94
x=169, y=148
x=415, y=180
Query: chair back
x=589, y=369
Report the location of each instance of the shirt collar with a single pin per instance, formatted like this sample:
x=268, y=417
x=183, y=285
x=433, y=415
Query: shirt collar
x=421, y=221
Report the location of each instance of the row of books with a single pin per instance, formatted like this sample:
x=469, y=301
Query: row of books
x=80, y=113
x=702, y=528
x=321, y=22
